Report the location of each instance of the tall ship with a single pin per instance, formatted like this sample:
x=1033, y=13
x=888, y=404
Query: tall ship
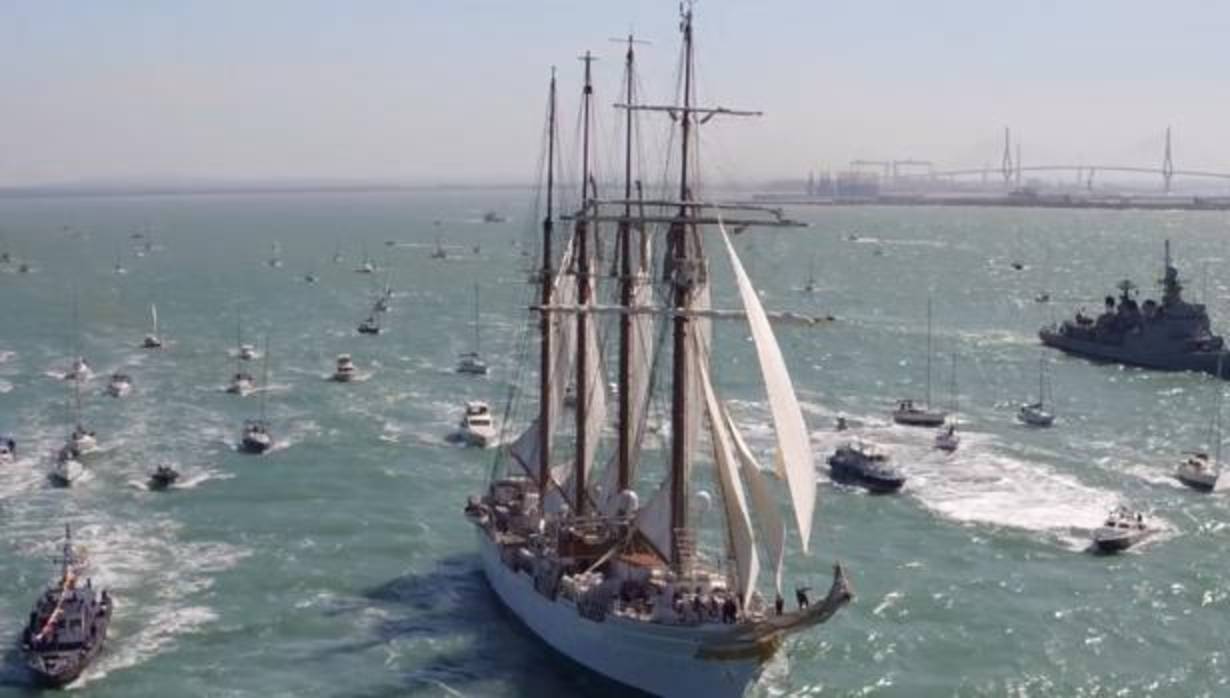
x=617, y=562
x=68, y=625
x=1171, y=335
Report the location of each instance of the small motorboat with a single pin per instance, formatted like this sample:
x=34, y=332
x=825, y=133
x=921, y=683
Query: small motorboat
x=1043, y=297
x=1035, y=414
x=370, y=326
x=1122, y=529
x=310, y=278
x=256, y=438
x=119, y=385
x=1198, y=472
x=241, y=384
x=246, y=352
x=865, y=465
x=80, y=371
x=345, y=370
x=842, y=424
x=8, y=450
x=66, y=470
x=946, y=439
x=163, y=477
x=493, y=217
x=911, y=415
x=477, y=428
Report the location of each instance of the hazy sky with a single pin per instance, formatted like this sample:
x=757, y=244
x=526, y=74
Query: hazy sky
x=447, y=90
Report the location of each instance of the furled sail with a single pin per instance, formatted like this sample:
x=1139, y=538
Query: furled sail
x=772, y=531
x=640, y=361
x=525, y=449
x=792, y=440
x=734, y=502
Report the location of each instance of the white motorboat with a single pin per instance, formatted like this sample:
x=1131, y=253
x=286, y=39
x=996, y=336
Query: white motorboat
x=345, y=370
x=119, y=385
x=256, y=437
x=1122, y=529
x=65, y=470
x=477, y=427
x=946, y=439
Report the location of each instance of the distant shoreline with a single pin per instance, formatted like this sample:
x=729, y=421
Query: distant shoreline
x=94, y=191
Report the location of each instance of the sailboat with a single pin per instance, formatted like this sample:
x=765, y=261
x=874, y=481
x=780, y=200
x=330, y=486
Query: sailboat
x=1196, y=470
x=910, y=414
x=946, y=439
x=338, y=258
x=1035, y=414
x=622, y=587
x=439, y=252
x=366, y=266
x=275, y=258
x=810, y=286
x=256, y=437
x=471, y=362
x=152, y=340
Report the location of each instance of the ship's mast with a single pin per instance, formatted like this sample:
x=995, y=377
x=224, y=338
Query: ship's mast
x=544, y=325
x=584, y=291
x=681, y=274
x=626, y=289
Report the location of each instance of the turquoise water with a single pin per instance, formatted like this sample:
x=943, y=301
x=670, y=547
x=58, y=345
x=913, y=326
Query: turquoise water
x=339, y=564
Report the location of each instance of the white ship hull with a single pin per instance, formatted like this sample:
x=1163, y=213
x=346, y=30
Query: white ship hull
x=657, y=659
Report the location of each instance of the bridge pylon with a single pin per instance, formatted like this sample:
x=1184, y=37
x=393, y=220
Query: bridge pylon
x=1006, y=164
x=1167, y=164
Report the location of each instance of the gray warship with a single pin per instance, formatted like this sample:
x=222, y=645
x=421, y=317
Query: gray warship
x=1172, y=335
x=68, y=625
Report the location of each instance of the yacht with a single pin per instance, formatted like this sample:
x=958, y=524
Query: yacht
x=152, y=340
x=345, y=371
x=910, y=414
x=471, y=362
x=863, y=464
x=1035, y=414
x=1122, y=529
x=477, y=427
x=119, y=385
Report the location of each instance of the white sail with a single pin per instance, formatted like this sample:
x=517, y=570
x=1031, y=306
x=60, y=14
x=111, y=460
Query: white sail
x=153, y=311
x=772, y=531
x=792, y=441
x=734, y=502
x=525, y=450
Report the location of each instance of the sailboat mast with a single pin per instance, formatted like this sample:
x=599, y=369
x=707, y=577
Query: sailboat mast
x=265, y=378
x=679, y=266
x=544, y=325
x=1217, y=420
x=625, y=270
x=928, y=353
x=584, y=290
x=477, y=348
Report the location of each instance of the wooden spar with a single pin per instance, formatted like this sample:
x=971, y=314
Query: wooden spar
x=736, y=223
x=708, y=112
x=584, y=287
x=624, y=474
x=678, y=267
x=544, y=325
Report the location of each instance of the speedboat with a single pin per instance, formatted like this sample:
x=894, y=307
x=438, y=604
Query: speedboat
x=163, y=477
x=1122, y=529
x=119, y=385
x=345, y=371
x=472, y=364
x=8, y=450
x=1035, y=415
x=241, y=384
x=865, y=465
x=477, y=428
x=256, y=438
x=1198, y=472
x=66, y=470
x=946, y=439
x=80, y=371
x=911, y=415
